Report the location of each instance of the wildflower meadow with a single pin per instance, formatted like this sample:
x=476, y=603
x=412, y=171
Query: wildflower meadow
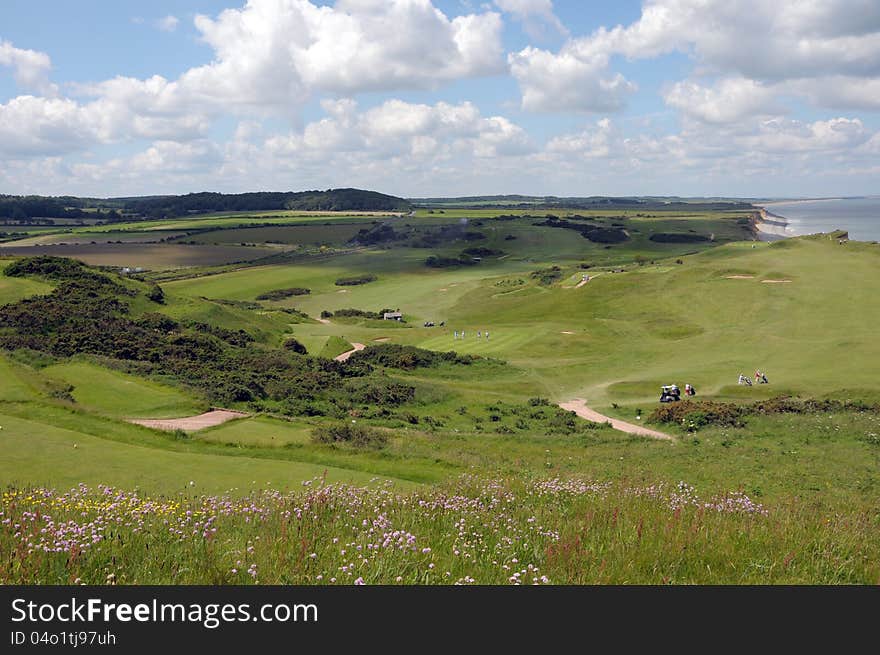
x=470, y=531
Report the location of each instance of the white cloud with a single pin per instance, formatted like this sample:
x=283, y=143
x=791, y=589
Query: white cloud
x=30, y=67
x=124, y=109
x=839, y=92
x=591, y=142
x=536, y=15
x=276, y=51
x=791, y=136
x=820, y=50
x=168, y=23
x=398, y=129
x=568, y=81
x=729, y=101
x=270, y=56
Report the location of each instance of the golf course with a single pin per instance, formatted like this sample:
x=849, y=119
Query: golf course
x=452, y=393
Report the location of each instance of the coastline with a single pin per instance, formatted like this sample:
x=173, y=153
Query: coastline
x=769, y=226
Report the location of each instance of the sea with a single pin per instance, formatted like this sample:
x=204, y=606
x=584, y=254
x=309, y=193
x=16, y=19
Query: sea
x=858, y=216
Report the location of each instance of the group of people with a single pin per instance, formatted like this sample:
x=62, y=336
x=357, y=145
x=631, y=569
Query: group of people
x=461, y=335
x=760, y=378
x=671, y=392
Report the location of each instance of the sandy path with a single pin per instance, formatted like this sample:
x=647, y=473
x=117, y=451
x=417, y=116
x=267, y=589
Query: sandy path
x=344, y=356
x=191, y=423
x=738, y=277
x=579, y=407
x=325, y=321
x=775, y=281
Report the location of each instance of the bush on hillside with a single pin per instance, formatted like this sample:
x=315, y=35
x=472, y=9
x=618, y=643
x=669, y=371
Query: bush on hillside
x=392, y=355
x=349, y=433
x=355, y=280
x=155, y=294
x=295, y=346
x=547, y=276
x=280, y=294
x=678, y=237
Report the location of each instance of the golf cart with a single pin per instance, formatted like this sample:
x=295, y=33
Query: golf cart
x=670, y=393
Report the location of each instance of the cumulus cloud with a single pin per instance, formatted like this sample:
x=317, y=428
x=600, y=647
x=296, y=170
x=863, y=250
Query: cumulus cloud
x=730, y=100
x=400, y=129
x=279, y=50
x=270, y=56
x=792, y=42
x=30, y=68
x=124, y=109
x=568, y=81
x=591, y=142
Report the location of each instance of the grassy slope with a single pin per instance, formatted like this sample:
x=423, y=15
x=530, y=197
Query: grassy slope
x=117, y=394
x=632, y=332
x=40, y=453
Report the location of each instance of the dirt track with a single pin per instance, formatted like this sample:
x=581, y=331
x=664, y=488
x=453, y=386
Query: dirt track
x=579, y=407
x=348, y=353
x=191, y=423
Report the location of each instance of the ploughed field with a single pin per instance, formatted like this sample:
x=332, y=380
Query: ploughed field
x=772, y=490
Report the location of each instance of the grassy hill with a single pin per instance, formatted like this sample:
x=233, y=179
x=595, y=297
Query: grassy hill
x=652, y=313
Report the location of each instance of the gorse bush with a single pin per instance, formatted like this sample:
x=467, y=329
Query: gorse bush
x=393, y=355
x=156, y=294
x=355, y=280
x=350, y=433
x=355, y=313
x=547, y=276
x=293, y=345
x=696, y=414
x=281, y=294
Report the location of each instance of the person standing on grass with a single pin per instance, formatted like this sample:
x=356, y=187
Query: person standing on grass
x=487, y=336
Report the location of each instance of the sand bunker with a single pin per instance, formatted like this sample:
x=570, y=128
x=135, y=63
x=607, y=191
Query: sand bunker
x=348, y=353
x=738, y=277
x=566, y=332
x=342, y=291
x=191, y=423
x=775, y=281
x=382, y=339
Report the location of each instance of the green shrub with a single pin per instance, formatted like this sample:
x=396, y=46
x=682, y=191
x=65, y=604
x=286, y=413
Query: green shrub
x=349, y=433
x=355, y=280
x=393, y=355
x=156, y=294
x=677, y=237
x=293, y=345
x=280, y=294
x=547, y=276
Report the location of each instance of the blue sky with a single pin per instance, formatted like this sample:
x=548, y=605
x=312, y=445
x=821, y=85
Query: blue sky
x=670, y=97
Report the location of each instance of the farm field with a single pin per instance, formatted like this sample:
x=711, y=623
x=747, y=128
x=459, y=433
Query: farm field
x=699, y=307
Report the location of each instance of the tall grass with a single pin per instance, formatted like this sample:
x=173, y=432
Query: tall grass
x=471, y=531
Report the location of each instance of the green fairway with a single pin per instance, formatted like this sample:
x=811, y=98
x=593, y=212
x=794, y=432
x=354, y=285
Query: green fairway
x=14, y=288
x=259, y=431
x=37, y=453
x=117, y=394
